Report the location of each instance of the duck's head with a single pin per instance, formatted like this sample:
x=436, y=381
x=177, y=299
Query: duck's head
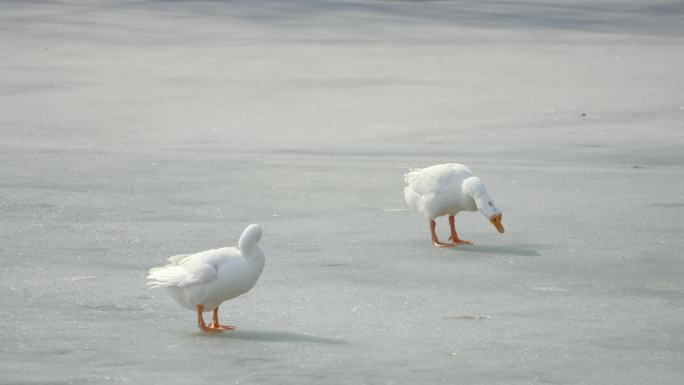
x=494, y=214
x=484, y=202
x=496, y=221
x=250, y=237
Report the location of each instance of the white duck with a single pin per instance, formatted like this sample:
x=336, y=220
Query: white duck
x=202, y=281
x=446, y=189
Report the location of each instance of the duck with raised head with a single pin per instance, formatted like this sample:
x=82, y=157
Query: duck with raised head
x=204, y=280
x=447, y=189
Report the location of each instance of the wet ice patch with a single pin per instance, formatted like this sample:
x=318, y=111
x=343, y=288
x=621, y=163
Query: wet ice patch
x=669, y=205
x=549, y=288
x=467, y=317
x=77, y=278
x=111, y=307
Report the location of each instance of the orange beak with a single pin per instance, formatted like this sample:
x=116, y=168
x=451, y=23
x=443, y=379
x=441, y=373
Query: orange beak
x=496, y=221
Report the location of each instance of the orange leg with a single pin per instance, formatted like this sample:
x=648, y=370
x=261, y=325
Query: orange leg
x=200, y=321
x=214, y=327
x=215, y=322
x=454, y=236
x=436, y=241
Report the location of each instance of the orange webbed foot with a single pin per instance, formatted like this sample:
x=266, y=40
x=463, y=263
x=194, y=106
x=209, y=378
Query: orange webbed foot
x=219, y=327
x=441, y=244
x=456, y=241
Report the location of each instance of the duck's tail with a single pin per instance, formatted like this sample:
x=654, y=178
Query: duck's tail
x=411, y=195
x=165, y=276
x=411, y=175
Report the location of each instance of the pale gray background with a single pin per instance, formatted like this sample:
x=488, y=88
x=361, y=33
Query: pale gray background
x=135, y=130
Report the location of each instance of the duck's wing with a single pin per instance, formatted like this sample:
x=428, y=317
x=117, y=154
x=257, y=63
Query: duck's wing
x=177, y=258
x=436, y=178
x=182, y=272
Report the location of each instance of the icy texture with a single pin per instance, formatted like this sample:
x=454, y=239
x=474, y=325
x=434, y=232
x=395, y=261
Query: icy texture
x=132, y=131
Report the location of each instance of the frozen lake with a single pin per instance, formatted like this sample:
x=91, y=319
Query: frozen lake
x=135, y=130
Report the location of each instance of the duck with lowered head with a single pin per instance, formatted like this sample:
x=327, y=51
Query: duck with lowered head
x=447, y=189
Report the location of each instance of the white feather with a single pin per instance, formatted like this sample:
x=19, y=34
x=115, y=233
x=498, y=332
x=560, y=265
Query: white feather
x=446, y=189
x=211, y=277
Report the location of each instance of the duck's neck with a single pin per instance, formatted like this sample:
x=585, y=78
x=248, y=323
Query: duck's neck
x=474, y=188
x=251, y=250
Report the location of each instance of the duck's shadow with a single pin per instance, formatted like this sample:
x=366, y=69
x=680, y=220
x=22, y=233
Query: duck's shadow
x=521, y=251
x=277, y=336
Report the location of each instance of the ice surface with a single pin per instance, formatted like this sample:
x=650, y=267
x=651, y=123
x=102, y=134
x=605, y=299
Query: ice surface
x=132, y=131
